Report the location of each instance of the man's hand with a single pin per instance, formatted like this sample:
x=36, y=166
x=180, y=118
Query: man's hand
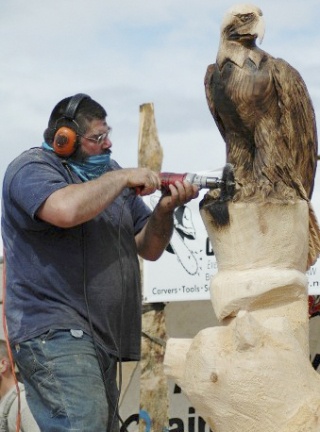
x=180, y=194
x=143, y=180
x=155, y=236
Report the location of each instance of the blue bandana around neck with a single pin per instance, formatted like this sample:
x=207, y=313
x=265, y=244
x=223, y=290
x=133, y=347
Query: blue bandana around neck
x=89, y=169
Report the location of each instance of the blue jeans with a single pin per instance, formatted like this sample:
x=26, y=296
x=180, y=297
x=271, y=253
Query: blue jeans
x=64, y=384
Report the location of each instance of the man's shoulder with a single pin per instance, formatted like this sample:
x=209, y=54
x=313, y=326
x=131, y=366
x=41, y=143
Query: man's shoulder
x=33, y=155
x=29, y=158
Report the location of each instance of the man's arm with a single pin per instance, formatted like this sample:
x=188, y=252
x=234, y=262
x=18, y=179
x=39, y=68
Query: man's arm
x=79, y=203
x=155, y=236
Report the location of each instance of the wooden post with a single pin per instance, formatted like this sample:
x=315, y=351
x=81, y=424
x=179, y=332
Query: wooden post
x=153, y=382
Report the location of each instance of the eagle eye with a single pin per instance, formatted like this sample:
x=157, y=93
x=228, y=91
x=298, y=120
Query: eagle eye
x=246, y=17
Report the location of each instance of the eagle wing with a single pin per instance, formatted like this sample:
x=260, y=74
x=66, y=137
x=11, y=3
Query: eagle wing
x=297, y=122
x=209, y=92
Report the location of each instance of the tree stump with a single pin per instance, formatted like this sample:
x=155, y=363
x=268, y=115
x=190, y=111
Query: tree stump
x=253, y=372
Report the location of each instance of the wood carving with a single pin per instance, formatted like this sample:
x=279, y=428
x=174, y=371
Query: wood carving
x=264, y=113
x=253, y=373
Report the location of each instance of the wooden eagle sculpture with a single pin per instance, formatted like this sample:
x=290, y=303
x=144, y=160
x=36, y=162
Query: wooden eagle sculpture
x=264, y=113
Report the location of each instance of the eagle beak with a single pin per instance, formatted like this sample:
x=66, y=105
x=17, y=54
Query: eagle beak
x=260, y=30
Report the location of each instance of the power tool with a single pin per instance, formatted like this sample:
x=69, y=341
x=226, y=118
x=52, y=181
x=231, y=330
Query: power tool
x=203, y=181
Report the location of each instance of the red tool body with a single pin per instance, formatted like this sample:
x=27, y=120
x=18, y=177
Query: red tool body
x=202, y=181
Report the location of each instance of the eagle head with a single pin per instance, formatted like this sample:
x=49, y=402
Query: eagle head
x=243, y=23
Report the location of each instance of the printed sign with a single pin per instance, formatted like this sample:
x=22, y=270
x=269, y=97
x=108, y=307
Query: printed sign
x=185, y=268
x=182, y=416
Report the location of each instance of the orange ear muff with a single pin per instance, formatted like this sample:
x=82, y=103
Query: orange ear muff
x=64, y=141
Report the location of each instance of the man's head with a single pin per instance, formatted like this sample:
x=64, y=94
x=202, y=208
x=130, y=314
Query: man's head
x=74, y=124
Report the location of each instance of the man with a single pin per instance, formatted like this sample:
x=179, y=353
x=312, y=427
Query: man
x=72, y=226
x=9, y=405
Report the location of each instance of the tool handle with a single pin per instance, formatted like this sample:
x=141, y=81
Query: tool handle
x=168, y=178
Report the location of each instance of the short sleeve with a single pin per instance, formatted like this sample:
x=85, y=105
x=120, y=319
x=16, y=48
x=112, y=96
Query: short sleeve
x=33, y=183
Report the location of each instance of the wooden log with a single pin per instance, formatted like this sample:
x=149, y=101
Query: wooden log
x=153, y=382
x=150, y=153
x=253, y=373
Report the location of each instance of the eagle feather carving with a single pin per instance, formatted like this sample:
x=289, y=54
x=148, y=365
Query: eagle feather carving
x=264, y=113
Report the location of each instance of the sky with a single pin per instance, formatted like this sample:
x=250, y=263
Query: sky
x=125, y=53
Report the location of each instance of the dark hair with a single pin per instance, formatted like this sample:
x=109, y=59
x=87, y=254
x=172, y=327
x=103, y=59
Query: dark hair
x=87, y=111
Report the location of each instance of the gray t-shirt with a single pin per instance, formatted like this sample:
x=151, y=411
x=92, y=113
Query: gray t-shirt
x=9, y=412
x=55, y=276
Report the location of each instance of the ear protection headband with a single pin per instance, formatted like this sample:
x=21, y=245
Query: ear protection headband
x=65, y=138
